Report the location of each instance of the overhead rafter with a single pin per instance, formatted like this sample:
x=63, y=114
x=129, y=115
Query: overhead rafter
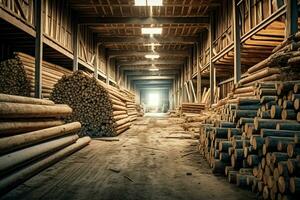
x=150, y=62
x=151, y=77
x=152, y=82
x=152, y=73
x=161, y=40
x=120, y=53
x=147, y=67
x=143, y=20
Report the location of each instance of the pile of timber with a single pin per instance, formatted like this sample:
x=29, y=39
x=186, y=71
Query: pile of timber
x=17, y=76
x=100, y=108
x=13, y=79
x=255, y=141
x=33, y=136
x=192, y=108
x=50, y=73
x=132, y=107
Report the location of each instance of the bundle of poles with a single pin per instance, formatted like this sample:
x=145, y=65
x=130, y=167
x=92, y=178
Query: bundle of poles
x=50, y=73
x=102, y=109
x=33, y=136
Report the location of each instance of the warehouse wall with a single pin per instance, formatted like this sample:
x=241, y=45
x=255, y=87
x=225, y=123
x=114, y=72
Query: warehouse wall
x=58, y=27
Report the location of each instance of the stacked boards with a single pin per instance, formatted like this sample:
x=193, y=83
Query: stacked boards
x=33, y=136
x=192, y=107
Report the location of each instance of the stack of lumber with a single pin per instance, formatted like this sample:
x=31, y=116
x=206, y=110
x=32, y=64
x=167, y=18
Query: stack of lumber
x=13, y=79
x=33, y=136
x=192, y=107
x=100, y=108
x=50, y=73
x=131, y=106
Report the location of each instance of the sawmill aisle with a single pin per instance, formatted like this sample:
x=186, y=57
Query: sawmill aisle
x=149, y=161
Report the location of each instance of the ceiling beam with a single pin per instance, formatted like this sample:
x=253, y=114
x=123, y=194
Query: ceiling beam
x=143, y=20
x=147, y=67
x=152, y=82
x=146, y=40
x=150, y=62
x=126, y=53
x=152, y=73
x=171, y=77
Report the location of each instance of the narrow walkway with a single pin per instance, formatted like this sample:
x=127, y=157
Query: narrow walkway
x=149, y=162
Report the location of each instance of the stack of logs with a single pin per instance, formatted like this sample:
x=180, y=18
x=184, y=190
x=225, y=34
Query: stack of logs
x=50, y=73
x=33, y=136
x=17, y=76
x=101, y=109
x=192, y=108
x=254, y=141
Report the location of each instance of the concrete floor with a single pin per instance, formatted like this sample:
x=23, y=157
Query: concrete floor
x=148, y=162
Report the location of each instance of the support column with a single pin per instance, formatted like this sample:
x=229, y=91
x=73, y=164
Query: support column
x=237, y=42
x=107, y=69
x=199, y=84
x=38, y=48
x=75, y=45
x=212, y=80
x=291, y=17
x=96, y=63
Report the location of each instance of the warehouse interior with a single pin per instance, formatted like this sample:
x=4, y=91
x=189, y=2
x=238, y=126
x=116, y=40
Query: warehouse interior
x=149, y=99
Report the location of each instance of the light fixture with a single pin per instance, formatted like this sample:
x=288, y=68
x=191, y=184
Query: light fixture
x=152, y=56
x=151, y=31
x=153, y=69
x=148, y=2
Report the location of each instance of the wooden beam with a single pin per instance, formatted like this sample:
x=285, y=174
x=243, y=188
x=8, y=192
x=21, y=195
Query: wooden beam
x=150, y=62
x=128, y=53
x=143, y=20
x=291, y=17
x=237, y=42
x=212, y=77
x=151, y=77
x=75, y=45
x=146, y=67
x=148, y=40
x=38, y=48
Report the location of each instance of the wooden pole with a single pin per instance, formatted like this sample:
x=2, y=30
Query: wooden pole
x=211, y=64
x=237, y=42
x=199, y=84
x=38, y=47
x=291, y=17
x=75, y=45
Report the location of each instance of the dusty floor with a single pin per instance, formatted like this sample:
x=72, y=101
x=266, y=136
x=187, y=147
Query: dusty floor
x=148, y=162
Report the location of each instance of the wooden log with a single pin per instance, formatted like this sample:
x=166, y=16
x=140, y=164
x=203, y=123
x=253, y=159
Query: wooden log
x=15, y=127
x=288, y=126
x=282, y=186
x=245, y=113
x=269, y=123
x=20, y=176
x=294, y=185
x=241, y=180
x=261, y=74
x=218, y=167
x=278, y=133
x=276, y=112
x=16, y=110
x=232, y=175
x=293, y=149
x=24, y=100
x=266, y=99
x=8, y=144
x=271, y=142
x=288, y=114
x=11, y=161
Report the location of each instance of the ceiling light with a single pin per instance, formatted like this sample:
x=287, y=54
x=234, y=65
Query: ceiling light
x=153, y=69
x=151, y=31
x=152, y=56
x=148, y=2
